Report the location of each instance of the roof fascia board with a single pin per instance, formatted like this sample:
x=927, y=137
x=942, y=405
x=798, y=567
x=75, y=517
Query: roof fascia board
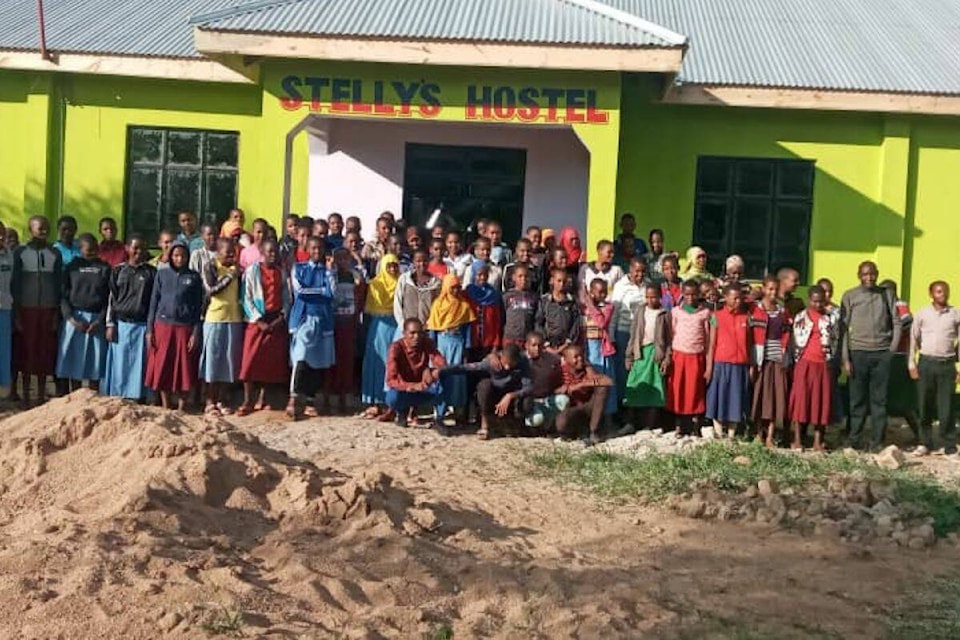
x=133, y=66
x=483, y=54
x=818, y=99
x=674, y=38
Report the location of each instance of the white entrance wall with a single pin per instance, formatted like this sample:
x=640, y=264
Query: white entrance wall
x=356, y=167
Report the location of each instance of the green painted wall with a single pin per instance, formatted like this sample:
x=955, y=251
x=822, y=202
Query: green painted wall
x=885, y=188
x=24, y=152
x=99, y=109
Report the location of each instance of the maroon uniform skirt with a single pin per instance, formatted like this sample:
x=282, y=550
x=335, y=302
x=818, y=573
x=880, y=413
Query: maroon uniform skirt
x=266, y=355
x=37, y=341
x=342, y=377
x=686, y=388
x=771, y=394
x=812, y=393
x=171, y=366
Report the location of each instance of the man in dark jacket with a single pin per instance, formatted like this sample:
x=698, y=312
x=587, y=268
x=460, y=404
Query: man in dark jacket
x=500, y=394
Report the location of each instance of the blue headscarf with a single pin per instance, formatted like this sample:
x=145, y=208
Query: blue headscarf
x=486, y=295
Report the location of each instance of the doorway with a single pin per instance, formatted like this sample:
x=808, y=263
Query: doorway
x=465, y=183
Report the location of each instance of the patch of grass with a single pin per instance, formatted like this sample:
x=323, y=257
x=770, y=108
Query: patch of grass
x=657, y=476
x=442, y=632
x=224, y=622
x=931, y=612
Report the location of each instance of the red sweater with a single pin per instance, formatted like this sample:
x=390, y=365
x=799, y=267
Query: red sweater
x=405, y=368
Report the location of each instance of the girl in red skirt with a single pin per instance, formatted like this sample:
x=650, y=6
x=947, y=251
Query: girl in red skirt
x=815, y=340
x=265, y=306
x=687, y=382
x=173, y=329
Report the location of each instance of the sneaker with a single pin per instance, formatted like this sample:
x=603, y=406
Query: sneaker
x=921, y=451
x=626, y=430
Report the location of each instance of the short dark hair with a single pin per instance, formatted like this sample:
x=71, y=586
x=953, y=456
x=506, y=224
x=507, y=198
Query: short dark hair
x=106, y=219
x=87, y=238
x=512, y=352
x=66, y=220
x=941, y=283
x=815, y=289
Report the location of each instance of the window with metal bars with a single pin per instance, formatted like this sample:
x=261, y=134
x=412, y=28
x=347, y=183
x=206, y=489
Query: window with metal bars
x=757, y=208
x=174, y=170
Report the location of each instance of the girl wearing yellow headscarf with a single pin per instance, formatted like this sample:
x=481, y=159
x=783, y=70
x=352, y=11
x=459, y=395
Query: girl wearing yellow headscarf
x=381, y=326
x=450, y=319
x=696, y=267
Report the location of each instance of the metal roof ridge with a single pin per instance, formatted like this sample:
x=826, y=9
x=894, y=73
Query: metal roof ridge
x=229, y=12
x=672, y=37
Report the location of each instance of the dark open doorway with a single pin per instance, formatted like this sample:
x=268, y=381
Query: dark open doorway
x=466, y=183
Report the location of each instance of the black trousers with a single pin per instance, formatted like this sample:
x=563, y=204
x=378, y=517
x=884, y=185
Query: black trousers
x=487, y=398
x=935, y=395
x=868, y=388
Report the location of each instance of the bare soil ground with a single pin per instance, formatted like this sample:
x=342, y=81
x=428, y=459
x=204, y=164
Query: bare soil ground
x=124, y=521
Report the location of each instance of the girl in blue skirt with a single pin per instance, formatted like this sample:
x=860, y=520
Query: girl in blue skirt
x=86, y=289
x=131, y=287
x=381, y=326
x=450, y=319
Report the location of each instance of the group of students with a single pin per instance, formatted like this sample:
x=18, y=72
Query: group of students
x=532, y=336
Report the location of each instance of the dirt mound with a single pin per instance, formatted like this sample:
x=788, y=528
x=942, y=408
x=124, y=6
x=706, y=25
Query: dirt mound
x=160, y=522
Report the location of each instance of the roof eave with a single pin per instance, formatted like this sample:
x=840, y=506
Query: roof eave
x=167, y=68
x=441, y=52
x=812, y=98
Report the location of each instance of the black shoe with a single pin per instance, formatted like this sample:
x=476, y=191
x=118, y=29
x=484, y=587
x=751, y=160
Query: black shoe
x=950, y=451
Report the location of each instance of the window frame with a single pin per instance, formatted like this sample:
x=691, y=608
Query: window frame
x=204, y=169
x=733, y=200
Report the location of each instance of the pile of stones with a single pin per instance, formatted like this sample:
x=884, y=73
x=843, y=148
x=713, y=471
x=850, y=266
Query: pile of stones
x=849, y=507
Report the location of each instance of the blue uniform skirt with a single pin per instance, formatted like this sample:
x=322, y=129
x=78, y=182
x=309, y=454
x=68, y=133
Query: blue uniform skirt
x=81, y=355
x=380, y=330
x=604, y=365
x=222, y=352
x=312, y=344
x=728, y=394
x=451, y=345
x=126, y=363
x=6, y=346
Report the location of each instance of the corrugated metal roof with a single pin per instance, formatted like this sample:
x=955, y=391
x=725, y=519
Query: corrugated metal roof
x=910, y=46
x=126, y=27
x=526, y=21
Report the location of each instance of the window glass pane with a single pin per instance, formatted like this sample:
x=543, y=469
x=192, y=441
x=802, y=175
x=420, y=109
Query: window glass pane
x=183, y=147
x=146, y=146
x=751, y=232
x=143, y=202
x=791, y=238
x=181, y=192
x=754, y=178
x=221, y=150
x=795, y=179
x=713, y=176
x=710, y=231
x=220, y=195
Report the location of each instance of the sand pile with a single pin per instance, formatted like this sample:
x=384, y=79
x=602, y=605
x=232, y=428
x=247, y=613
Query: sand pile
x=117, y=519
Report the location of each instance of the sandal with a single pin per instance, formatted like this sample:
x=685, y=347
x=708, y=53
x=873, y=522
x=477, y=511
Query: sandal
x=483, y=434
x=387, y=416
x=311, y=412
x=291, y=409
x=244, y=410
x=213, y=411
x=370, y=413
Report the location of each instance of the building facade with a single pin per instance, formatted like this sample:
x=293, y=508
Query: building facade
x=276, y=107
